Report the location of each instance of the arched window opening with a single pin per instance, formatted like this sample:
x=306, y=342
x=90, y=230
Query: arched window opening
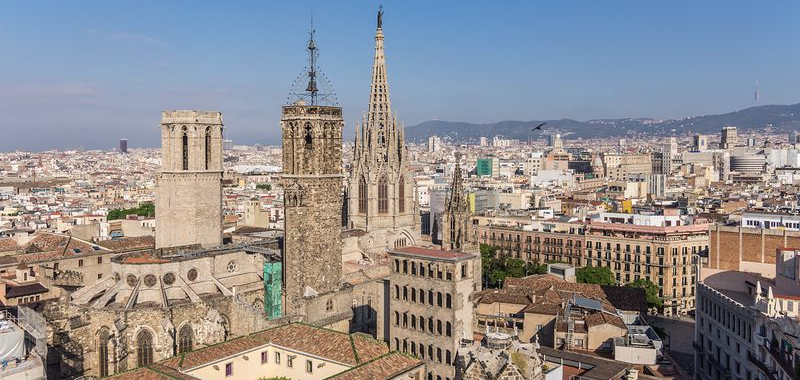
x=383, y=196
x=185, y=339
x=103, y=353
x=362, y=195
x=185, y=148
x=144, y=348
x=208, y=147
x=309, y=139
x=401, y=195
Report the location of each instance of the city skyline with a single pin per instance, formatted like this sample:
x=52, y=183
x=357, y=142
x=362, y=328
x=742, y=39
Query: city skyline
x=117, y=68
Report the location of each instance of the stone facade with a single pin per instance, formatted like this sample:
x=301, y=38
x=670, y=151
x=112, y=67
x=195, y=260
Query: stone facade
x=456, y=218
x=150, y=308
x=381, y=194
x=430, y=305
x=500, y=357
x=312, y=156
x=189, y=187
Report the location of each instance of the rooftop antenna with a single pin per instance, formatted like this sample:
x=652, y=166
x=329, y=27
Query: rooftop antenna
x=312, y=86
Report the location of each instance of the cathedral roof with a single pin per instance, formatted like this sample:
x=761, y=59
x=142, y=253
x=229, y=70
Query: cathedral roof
x=432, y=254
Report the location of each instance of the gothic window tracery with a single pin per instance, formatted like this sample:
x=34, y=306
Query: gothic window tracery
x=232, y=267
x=185, y=339
x=383, y=196
x=309, y=139
x=401, y=198
x=144, y=348
x=362, y=195
x=103, y=340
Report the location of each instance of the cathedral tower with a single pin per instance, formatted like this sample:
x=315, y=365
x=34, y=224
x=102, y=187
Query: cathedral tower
x=381, y=193
x=312, y=183
x=189, y=187
x=456, y=216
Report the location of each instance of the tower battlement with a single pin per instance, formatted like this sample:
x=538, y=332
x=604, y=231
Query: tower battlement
x=301, y=109
x=191, y=117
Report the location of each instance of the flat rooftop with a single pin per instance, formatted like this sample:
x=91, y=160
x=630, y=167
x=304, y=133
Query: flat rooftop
x=431, y=254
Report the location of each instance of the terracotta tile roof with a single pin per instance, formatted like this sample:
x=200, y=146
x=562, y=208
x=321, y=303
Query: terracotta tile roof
x=48, y=246
x=325, y=343
x=129, y=243
x=8, y=244
x=209, y=354
x=597, y=319
x=24, y=290
x=626, y=298
x=144, y=258
x=154, y=372
x=387, y=366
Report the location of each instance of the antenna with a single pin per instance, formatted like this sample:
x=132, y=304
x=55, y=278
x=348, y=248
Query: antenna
x=312, y=86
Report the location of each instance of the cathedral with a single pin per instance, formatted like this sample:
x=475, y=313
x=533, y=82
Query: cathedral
x=381, y=196
x=331, y=269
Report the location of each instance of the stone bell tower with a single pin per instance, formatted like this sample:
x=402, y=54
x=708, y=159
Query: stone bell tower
x=312, y=183
x=189, y=187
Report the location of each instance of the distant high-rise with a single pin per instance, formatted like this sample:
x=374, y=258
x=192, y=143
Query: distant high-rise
x=699, y=143
x=556, y=144
x=434, y=144
x=729, y=138
x=794, y=137
x=123, y=146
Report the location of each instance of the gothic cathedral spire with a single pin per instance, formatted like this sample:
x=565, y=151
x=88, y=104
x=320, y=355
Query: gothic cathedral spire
x=456, y=217
x=381, y=193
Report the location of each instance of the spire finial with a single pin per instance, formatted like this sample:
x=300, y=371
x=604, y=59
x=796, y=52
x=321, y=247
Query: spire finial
x=380, y=16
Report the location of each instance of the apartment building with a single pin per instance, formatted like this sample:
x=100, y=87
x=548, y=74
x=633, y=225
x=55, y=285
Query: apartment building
x=431, y=307
x=657, y=247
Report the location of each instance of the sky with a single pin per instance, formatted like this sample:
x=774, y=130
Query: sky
x=83, y=74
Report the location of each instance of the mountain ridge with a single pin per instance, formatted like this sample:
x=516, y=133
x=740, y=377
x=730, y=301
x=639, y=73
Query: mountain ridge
x=780, y=118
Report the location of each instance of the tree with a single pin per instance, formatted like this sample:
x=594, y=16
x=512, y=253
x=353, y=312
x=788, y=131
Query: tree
x=497, y=268
x=595, y=275
x=145, y=209
x=264, y=186
x=650, y=291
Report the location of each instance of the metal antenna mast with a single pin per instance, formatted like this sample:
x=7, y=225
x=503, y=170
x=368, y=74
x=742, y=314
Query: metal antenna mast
x=312, y=70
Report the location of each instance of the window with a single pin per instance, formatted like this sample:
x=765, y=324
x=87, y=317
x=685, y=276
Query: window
x=185, y=148
x=185, y=339
x=144, y=348
x=277, y=358
x=329, y=306
x=290, y=361
x=228, y=369
x=80, y=262
x=100, y=260
x=103, y=353
x=401, y=194
x=362, y=196
x=309, y=366
x=264, y=357
x=383, y=196
x=208, y=146
x=99, y=276
x=55, y=266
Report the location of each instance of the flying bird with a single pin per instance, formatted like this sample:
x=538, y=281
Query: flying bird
x=538, y=127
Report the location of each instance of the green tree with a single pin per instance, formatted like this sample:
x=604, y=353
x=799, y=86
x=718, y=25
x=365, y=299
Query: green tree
x=515, y=268
x=264, y=186
x=145, y=209
x=595, y=275
x=650, y=291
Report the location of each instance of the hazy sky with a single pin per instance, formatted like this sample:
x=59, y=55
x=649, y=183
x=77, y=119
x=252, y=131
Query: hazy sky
x=86, y=73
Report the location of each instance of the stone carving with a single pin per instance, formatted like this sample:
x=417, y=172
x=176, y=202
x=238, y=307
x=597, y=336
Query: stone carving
x=192, y=274
x=169, y=335
x=150, y=280
x=210, y=329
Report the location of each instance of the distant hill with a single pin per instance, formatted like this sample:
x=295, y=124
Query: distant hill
x=777, y=118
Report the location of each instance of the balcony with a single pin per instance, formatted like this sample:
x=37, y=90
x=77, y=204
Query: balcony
x=785, y=364
x=758, y=339
x=770, y=374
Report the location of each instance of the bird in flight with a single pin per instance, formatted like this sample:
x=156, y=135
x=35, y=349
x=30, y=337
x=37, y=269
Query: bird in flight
x=538, y=127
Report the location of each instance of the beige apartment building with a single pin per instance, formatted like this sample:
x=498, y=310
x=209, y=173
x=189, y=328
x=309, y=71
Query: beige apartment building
x=662, y=254
x=431, y=307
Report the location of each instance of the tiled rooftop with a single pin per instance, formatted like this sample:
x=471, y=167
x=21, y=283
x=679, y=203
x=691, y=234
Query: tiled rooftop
x=384, y=367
